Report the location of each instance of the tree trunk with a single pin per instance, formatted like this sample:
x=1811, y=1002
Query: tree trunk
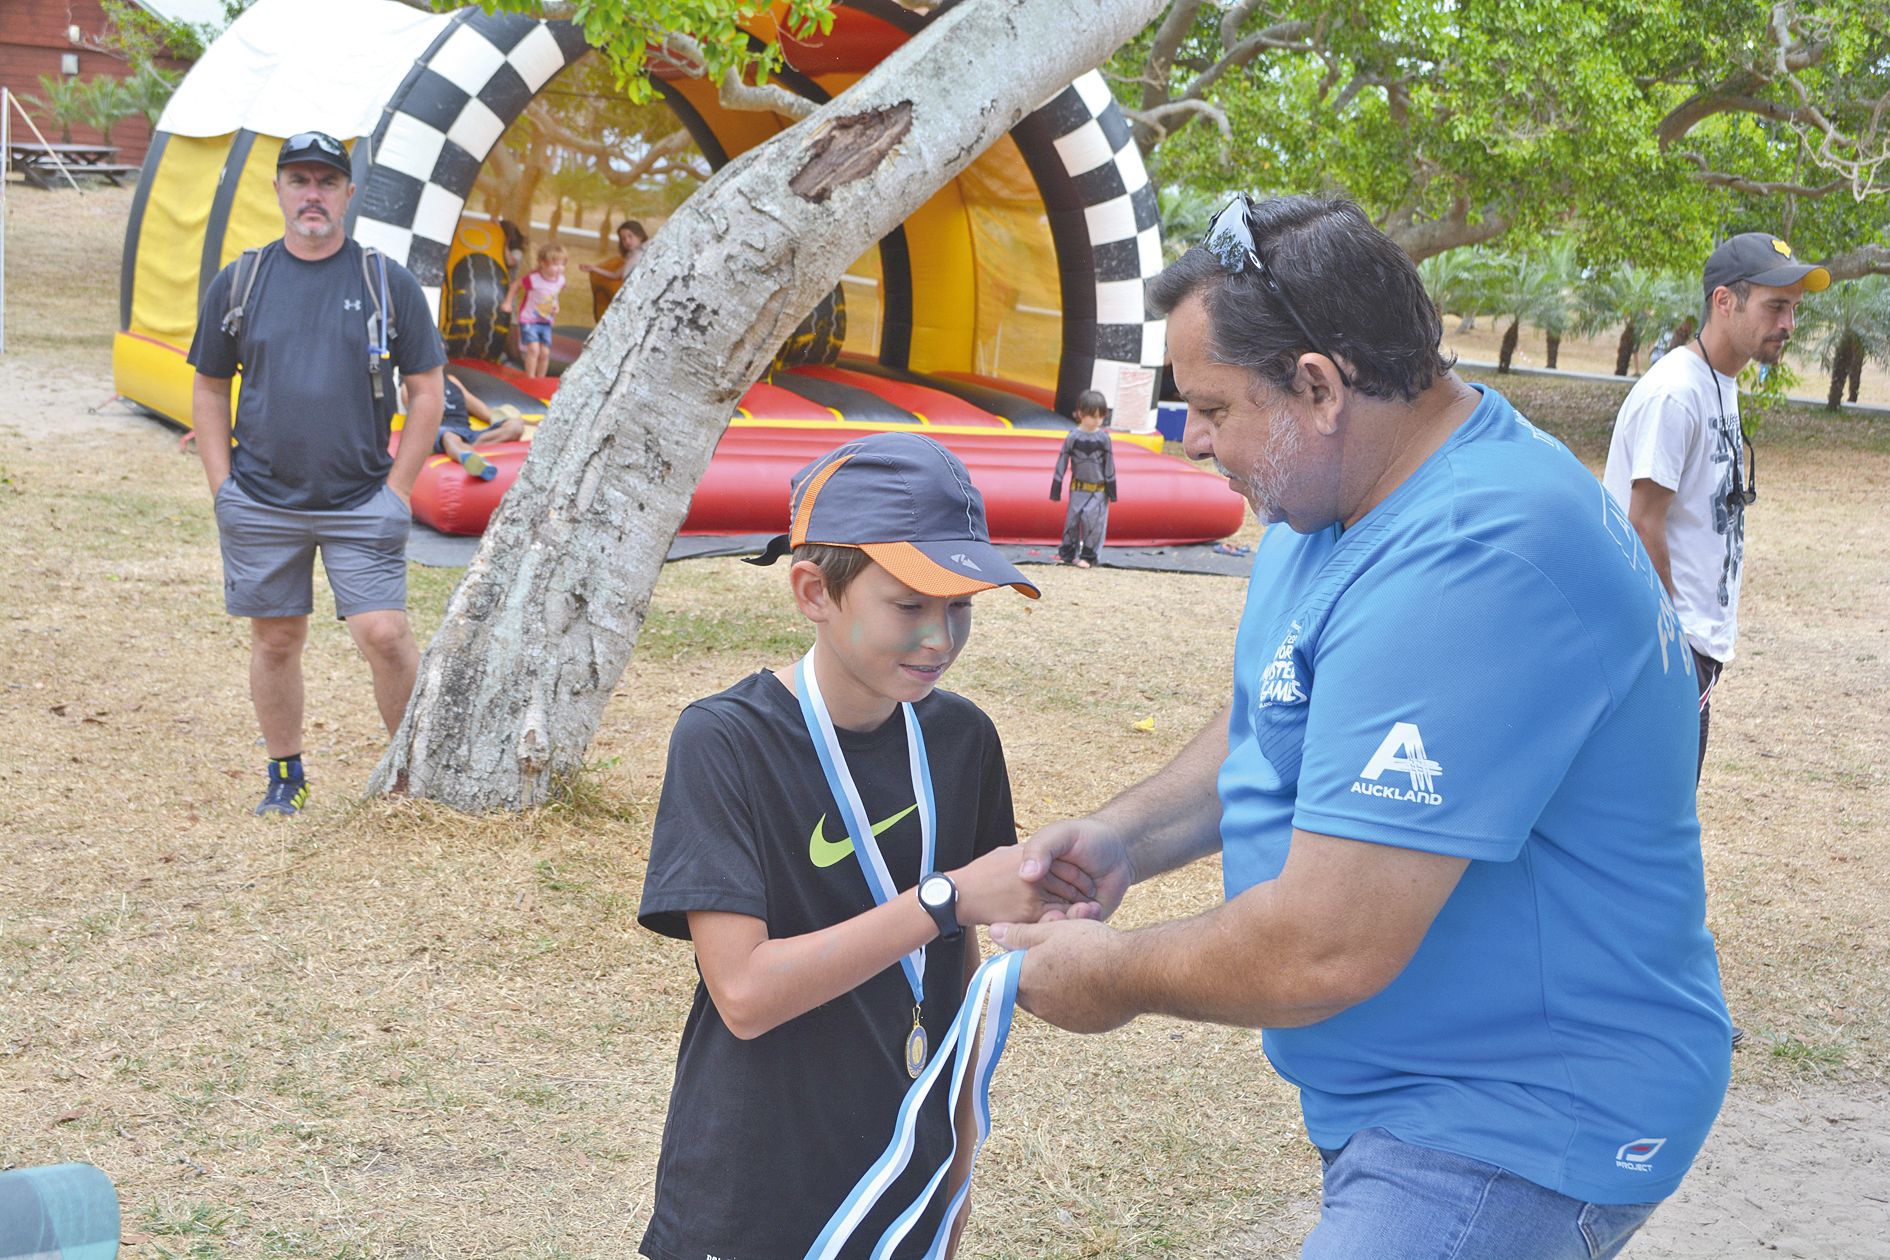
x=1553, y=349
x=512, y=688
x=1857, y=370
x=1840, y=371
x=1624, y=349
x=1507, y=350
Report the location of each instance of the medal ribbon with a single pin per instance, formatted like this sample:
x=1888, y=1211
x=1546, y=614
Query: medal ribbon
x=833, y=763
x=992, y=996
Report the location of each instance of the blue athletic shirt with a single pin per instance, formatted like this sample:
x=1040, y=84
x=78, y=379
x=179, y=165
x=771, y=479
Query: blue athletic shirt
x=1486, y=666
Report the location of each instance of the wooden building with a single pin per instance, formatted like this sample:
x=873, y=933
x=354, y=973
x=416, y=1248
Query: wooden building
x=63, y=38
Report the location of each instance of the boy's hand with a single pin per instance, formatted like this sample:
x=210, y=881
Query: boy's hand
x=990, y=890
x=1081, y=864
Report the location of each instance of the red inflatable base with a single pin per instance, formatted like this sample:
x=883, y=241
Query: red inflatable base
x=1160, y=500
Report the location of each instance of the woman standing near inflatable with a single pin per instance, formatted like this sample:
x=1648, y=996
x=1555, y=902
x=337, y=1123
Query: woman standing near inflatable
x=607, y=278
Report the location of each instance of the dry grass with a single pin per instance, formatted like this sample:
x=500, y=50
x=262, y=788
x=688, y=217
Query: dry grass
x=388, y=1030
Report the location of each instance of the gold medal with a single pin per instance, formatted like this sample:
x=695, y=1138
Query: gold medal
x=915, y=1047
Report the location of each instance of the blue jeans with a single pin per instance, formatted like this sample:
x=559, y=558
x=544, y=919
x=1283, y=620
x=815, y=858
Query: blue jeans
x=1386, y=1199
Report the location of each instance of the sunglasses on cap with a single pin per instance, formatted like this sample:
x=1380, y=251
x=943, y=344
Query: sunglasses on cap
x=316, y=140
x=1230, y=239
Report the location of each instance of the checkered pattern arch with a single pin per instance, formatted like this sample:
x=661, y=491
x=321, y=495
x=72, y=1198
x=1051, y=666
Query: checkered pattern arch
x=440, y=125
x=478, y=76
x=1103, y=207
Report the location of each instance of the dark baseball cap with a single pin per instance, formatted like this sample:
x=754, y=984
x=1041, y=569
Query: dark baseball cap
x=315, y=146
x=909, y=504
x=1761, y=258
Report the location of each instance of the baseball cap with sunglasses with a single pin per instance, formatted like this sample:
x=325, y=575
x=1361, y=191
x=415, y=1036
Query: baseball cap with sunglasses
x=315, y=146
x=1230, y=239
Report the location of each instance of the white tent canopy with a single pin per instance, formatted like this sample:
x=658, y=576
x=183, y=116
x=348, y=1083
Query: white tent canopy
x=286, y=66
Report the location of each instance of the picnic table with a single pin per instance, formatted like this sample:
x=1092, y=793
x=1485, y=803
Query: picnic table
x=39, y=164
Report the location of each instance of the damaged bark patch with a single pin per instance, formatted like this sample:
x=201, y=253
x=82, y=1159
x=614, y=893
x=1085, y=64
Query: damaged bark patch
x=851, y=148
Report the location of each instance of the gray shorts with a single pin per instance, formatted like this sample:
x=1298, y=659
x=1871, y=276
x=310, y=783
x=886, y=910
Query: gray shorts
x=269, y=555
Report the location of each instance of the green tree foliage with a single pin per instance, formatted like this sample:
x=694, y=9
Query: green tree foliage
x=140, y=36
x=711, y=37
x=1646, y=131
x=1785, y=120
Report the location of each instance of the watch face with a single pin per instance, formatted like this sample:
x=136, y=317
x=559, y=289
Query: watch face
x=935, y=890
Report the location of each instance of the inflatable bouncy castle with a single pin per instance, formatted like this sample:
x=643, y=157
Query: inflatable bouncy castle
x=1015, y=288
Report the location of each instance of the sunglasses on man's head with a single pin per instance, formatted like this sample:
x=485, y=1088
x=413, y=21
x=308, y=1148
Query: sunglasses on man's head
x=1230, y=240
x=316, y=140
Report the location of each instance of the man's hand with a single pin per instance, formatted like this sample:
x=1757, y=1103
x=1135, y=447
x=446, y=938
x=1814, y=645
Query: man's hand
x=1081, y=862
x=1066, y=975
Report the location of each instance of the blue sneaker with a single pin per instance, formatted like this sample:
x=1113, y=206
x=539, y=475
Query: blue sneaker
x=288, y=790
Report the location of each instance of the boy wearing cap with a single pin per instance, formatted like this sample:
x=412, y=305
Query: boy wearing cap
x=1680, y=465
x=826, y=831
x=316, y=333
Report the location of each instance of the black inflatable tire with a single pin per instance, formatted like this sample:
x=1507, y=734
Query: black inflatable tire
x=475, y=327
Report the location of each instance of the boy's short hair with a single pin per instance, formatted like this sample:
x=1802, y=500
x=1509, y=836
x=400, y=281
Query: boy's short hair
x=548, y=252
x=838, y=565
x=1091, y=403
x=907, y=504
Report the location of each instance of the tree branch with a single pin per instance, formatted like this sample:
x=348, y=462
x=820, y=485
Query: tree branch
x=1156, y=120
x=1421, y=239
x=1865, y=260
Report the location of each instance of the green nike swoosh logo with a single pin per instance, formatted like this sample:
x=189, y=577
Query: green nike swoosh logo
x=823, y=852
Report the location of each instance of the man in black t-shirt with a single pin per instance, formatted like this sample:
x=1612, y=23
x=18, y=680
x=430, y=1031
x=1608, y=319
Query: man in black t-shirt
x=316, y=327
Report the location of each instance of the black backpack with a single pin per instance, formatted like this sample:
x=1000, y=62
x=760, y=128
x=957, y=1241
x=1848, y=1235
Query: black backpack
x=373, y=275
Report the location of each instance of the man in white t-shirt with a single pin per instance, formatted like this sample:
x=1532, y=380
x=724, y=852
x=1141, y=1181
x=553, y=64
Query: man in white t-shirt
x=1680, y=464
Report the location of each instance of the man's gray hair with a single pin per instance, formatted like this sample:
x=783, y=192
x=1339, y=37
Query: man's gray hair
x=1359, y=294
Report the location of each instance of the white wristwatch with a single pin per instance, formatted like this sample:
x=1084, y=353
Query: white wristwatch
x=939, y=896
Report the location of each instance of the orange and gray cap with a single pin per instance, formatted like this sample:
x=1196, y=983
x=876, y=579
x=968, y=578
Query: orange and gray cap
x=909, y=504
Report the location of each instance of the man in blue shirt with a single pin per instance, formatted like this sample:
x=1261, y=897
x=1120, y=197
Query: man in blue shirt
x=1451, y=793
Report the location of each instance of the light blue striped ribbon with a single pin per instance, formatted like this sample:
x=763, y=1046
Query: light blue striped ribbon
x=833, y=764
x=992, y=997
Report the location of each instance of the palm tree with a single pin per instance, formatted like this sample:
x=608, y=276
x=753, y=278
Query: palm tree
x=1186, y=212
x=1458, y=282
x=105, y=102
x=149, y=90
x=1637, y=298
x=1850, y=324
x=61, y=99
x=1534, y=287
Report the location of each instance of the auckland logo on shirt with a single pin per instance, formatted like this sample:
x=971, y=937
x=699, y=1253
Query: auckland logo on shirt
x=1402, y=751
x=1638, y=1155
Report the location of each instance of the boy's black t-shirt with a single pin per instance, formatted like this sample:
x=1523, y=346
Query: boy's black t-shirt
x=765, y=1138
